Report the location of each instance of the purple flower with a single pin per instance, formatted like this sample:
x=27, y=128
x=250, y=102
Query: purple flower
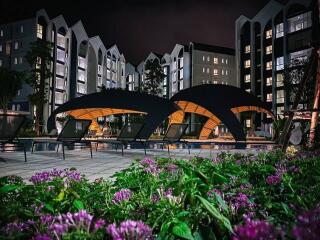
x=152, y=169
x=42, y=237
x=130, y=230
x=214, y=191
x=11, y=228
x=168, y=193
x=58, y=228
x=273, y=179
x=99, y=224
x=242, y=201
x=46, y=219
x=294, y=169
x=155, y=198
x=255, y=230
x=172, y=168
x=122, y=195
x=48, y=176
x=308, y=225
x=147, y=162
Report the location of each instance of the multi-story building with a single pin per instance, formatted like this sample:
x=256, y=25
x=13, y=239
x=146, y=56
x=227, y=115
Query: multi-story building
x=79, y=65
x=265, y=45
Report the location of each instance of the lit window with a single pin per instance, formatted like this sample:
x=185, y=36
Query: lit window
x=269, y=97
x=1, y=33
x=248, y=90
x=15, y=60
x=208, y=59
x=300, y=55
x=39, y=31
x=226, y=61
x=208, y=70
x=222, y=72
x=0, y=62
x=279, y=80
x=215, y=60
x=280, y=63
x=280, y=96
x=60, y=69
x=21, y=29
x=20, y=60
x=279, y=30
x=16, y=45
x=247, y=78
x=203, y=70
x=215, y=82
x=181, y=74
x=61, y=42
x=203, y=58
x=247, y=64
x=247, y=49
x=269, y=65
x=269, y=49
x=0, y=47
x=269, y=81
x=248, y=123
x=300, y=22
x=215, y=72
x=269, y=34
x=280, y=110
x=226, y=72
x=180, y=62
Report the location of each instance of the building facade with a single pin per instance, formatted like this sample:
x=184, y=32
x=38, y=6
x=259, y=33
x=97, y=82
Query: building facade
x=79, y=64
x=265, y=45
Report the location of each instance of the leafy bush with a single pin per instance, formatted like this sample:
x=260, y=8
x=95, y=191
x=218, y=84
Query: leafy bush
x=265, y=196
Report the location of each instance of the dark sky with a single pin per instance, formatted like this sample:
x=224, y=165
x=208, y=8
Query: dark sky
x=141, y=26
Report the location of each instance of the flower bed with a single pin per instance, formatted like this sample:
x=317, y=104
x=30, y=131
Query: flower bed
x=233, y=196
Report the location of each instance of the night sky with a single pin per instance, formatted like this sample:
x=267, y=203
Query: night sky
x=141, y=26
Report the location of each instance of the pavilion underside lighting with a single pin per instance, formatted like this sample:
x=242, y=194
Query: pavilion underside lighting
x=93, y=113
x=251, y=109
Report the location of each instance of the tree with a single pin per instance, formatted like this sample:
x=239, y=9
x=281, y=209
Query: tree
x=153, y=77
x=10, y=82
x=39, y=60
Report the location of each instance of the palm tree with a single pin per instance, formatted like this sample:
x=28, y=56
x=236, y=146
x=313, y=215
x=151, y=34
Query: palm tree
x=10, y=82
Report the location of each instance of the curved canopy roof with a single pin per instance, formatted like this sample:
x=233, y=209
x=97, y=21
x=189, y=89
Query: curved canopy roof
x=116, y=101
x=218, y=103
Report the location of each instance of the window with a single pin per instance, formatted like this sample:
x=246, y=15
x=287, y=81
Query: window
x=61, y=41
x=279, y=30
x=1, y=33
x=81, y=88
x=59, y=98
x=269, y=81
x=222, y=60
x=269, y=97
x=222, y=72
x=203, y=70
x=180, y=85
x=0, y=47
x=215, y=60
x=20, y=60
x=180, y=62
x=82, y=62
x=0, y=62
x=248, y=90
x=300, y=22
x=8, y=48
x=269, y=65
x=215, y=82
x=269, y=34
x=247, y=49
x=226, y=72
x=280, y=96
x=60, y=55
x=60, y=83
x=300, y=55
x=15, y=60
x=280, y=110
x=16, y=45
x=248, y=123
x=165, y=71
x=247, y=78
x=203, y=58
x=39, y=31
x=247, y=64
x=21, y=29
x=269, y=49
x=280, y=63
x=215, y=72
x=208, y=59
x=60, y=69
x=181, y=74
x=279, y=80
x=208, y=70
x=226, y=61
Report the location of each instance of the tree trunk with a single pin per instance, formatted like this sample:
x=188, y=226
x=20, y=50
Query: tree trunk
x=315, y=113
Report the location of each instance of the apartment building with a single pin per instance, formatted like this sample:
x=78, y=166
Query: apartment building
x=265, y=45
x=80, y=64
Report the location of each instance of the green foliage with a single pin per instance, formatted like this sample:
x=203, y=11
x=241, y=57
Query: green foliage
x=154, y=76
x=196, y=199
x=11, y=82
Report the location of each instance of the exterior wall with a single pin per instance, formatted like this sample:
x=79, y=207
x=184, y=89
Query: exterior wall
x=267, y=41
x=132, y=77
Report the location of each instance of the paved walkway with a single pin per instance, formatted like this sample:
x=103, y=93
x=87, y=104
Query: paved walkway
x=103, y=164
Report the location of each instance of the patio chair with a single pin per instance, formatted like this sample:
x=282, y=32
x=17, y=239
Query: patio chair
x=128, y=134
x=172, y=136
x=72, y=133
x=10, y=124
